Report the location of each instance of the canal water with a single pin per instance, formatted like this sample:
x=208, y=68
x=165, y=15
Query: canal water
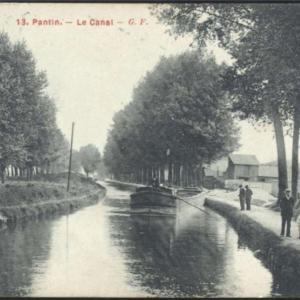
x=102, y=250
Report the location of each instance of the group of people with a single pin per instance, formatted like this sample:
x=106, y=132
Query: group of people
x=245, y=196
x=286, y=203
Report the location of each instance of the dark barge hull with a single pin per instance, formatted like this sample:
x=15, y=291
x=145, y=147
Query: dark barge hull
x=148, y=200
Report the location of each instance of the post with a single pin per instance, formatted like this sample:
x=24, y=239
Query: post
x=70, y=158
x=169, y=166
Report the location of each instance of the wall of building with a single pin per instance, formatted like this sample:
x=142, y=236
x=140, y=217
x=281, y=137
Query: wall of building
x=243, y=171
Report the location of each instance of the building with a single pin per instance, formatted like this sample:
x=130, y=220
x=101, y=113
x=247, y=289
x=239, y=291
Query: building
x=268, y=173
x=242, y=166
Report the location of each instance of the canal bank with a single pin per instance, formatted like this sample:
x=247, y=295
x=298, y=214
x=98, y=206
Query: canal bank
x=45, y=196
x=259, y=229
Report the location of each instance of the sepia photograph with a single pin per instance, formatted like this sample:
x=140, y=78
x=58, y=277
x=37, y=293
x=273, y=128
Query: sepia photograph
x=150, y=150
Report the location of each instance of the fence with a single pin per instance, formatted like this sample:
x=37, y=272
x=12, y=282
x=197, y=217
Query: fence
x=233, y=184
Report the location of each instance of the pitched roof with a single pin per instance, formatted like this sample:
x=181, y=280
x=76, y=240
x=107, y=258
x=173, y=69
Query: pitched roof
x=244, y=159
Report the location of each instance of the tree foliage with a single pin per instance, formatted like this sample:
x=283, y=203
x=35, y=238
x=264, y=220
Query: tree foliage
x=263, y=40
x=90, y=158
x=180, y=105
x=29, y=135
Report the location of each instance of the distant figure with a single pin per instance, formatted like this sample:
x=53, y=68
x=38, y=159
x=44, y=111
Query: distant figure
x=286, y=204
x=249, y=194
x=242, y=197
x=155, y=182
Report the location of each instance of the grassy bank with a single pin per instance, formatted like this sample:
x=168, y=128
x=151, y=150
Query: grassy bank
x=46, y=195
x=277, y=254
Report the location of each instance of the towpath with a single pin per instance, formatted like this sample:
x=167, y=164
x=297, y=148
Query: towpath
x=266, y=217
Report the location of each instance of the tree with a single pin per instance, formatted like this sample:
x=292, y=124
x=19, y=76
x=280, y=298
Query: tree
x=261, y=39
x=58, y=153
x=180, y=105
x=21, y=89
x=101, y=171
x=90, y=158
x=268, y=61
x=76, y=162
x=28, y=130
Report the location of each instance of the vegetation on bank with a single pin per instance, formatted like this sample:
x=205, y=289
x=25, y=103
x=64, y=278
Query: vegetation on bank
x=45, y=188
x=46, y=195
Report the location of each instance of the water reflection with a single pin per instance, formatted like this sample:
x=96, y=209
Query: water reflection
x=23, y=253
x=192, y=255
x=103, y=250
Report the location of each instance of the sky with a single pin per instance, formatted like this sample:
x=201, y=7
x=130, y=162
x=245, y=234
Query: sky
x=92, y=70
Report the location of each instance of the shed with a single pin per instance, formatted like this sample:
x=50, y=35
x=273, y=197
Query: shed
x=267, y=173
x=242, y=166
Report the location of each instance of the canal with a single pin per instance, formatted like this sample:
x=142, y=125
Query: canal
x=102, y=250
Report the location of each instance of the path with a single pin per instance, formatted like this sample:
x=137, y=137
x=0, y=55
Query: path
x=266, y=217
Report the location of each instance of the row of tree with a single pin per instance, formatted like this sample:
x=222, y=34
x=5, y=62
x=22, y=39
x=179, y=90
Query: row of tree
x=30, y=138
x=178, y=120
x=31, y=142
x=263, y=40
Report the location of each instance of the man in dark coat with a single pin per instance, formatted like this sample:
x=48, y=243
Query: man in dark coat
x=155, y=182
x=242, y=195
x=249, y=194
x=286, y=204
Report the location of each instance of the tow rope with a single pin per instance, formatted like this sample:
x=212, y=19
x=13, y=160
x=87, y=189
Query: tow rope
x=193, y=205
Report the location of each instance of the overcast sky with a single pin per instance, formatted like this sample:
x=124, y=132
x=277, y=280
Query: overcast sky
x=93, y=70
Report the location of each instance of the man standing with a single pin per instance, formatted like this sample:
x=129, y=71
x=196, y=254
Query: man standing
x=155, y=182
x=249, y=194
x=242, y=197
x=286, y=204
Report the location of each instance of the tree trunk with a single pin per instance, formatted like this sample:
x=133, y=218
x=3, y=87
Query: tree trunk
x=181, y=175
x=30, y=173
x=48, y=167
x=170, y=175
x=184, y=175
x=150, y=175
x=189, y=175
x=295, y=164
x=175, y=174
x=2, y=171
x=146, y=176
x=2, y=175
x=281, y=154
x=201, y=175
x=178, y=174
